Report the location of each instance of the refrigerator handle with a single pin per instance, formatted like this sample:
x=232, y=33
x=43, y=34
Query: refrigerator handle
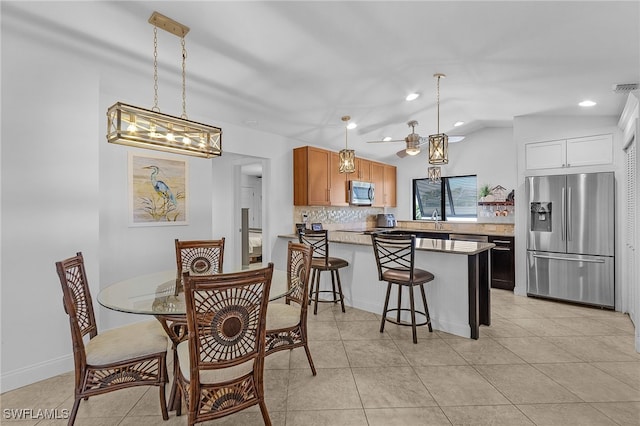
x=569, y=202
x=563, y=216
x=568, y=258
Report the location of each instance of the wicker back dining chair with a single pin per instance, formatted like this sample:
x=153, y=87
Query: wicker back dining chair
x=323, y=262
x=221, y=365
x=199, y=257
x=395, y=258
x=287, y=323
x=133, y=355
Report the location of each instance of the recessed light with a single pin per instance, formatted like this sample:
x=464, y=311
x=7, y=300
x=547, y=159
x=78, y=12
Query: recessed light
x=458, y=123
x=386, y=138
x=351, y=126
x=412, y=96
x=454, y=139
x=587, y=103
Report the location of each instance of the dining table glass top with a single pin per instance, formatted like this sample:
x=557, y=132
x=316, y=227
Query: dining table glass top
x=155, y=294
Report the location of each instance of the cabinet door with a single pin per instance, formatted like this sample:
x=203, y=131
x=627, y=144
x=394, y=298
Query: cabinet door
x=390, y=186
x=377, y=177
x=338, y=188
x=590, y=151
x=319, y=182
x=545, y=155
x=363, y=170
x=502, y=263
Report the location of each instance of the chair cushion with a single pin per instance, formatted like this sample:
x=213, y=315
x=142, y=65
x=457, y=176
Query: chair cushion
x=280, y=315
x=132, y=341
x=210, y=376
x=332, y=263
x=419, y=276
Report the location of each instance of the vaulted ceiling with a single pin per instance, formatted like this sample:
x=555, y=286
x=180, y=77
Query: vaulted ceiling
x=294, y=68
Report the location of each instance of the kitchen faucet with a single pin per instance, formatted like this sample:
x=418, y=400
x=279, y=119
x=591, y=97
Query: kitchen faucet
x=434, y=216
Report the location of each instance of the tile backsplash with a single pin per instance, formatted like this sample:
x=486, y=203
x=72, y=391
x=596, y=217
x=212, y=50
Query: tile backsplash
x=337, y=217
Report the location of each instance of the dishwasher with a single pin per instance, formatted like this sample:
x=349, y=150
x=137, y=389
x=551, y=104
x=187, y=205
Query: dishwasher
x=469, y=237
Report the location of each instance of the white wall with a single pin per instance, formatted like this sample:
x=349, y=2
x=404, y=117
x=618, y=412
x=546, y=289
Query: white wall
x=487, y=153
x=50, y=200
x=545, y=128
x=64, y=189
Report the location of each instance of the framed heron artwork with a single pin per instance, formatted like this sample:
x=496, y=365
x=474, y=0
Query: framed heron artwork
x=157, y=191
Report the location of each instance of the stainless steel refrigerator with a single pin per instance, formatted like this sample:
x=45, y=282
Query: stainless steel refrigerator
x=570, y=237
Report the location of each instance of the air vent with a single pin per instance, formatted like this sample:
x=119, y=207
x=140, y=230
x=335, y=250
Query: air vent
x=625, y=87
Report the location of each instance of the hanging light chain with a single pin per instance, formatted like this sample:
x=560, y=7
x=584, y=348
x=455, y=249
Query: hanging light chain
x=155, y=70
x=184, y=78
x=438, y=102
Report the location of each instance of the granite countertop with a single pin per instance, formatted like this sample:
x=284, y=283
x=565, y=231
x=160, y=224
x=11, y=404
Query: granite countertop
x=426, y=244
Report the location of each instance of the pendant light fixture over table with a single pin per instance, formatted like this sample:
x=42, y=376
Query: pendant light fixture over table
x=347, y=156
x=143, y=128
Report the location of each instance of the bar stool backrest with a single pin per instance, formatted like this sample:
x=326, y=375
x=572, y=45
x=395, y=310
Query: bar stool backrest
x=394, y=252
x=318, y=240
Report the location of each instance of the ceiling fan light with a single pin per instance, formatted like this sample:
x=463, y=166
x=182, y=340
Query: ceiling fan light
x=412, y=150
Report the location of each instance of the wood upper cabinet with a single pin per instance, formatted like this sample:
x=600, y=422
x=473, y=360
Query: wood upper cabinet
x=377, y=177
x=383, y=177
x=311, y=182
x=317, y=181
x=390, y=199
x=338, y=182
x=363, y=170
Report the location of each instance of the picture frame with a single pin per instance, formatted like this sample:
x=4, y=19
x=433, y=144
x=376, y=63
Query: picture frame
x=158, y=191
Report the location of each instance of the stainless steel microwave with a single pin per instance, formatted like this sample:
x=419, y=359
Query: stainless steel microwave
x=361, y=193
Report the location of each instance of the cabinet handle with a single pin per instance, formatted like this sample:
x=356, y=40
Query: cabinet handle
x=501, y=249
x=501, y=241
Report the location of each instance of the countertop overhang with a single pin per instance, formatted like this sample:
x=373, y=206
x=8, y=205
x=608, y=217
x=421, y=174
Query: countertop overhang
x=426, y=244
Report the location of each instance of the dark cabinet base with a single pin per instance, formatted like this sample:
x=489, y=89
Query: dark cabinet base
x=503, y=263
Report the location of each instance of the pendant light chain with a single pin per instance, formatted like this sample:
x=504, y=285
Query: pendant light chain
x=438, y=102
x=155, y=69
x=184, y=78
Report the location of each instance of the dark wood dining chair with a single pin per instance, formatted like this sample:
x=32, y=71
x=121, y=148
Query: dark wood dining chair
x=133, y=355
x=323, y=262
x=221, y=364
x=287, y=323
x=395, y=258
x=199, y=257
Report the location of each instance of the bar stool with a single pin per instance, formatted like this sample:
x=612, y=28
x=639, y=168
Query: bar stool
x=395, y=259
x=322, y=262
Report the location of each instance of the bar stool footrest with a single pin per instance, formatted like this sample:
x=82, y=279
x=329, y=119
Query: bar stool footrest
x=335, y=300
x=404, y=323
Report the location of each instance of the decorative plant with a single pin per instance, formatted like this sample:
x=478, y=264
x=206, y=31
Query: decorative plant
x=485, y=190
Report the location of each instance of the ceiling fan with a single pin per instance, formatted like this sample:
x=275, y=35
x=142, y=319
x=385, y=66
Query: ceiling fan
x=413, y=141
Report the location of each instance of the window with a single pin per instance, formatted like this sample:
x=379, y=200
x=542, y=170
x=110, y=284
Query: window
x=456, y=196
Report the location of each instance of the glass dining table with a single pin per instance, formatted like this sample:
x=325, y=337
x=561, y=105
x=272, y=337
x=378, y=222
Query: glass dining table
x=155, y=294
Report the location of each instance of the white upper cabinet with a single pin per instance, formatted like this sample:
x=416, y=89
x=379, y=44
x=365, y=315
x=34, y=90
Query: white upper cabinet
x=575, y=152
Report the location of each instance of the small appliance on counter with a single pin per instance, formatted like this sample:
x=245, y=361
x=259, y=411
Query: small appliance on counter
x=387, y=220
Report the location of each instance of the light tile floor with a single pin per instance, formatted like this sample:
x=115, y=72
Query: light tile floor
x=539, y=363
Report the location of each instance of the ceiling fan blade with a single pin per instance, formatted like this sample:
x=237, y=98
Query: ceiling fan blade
x=402, y=153
x=396, y=140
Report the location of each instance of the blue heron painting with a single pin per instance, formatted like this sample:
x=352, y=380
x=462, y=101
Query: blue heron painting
x=158, y=187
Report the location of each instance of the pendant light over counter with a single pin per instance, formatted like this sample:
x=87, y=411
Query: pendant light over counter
x=347, y=156
x=438, y=143
x=149, y=128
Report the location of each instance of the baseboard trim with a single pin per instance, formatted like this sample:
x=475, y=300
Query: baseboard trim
x=34, y=373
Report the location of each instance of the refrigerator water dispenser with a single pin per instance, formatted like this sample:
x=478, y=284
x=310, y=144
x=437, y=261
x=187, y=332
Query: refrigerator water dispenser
x=541, y=217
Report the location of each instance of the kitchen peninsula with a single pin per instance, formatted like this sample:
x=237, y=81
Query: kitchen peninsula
x=458, y=297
